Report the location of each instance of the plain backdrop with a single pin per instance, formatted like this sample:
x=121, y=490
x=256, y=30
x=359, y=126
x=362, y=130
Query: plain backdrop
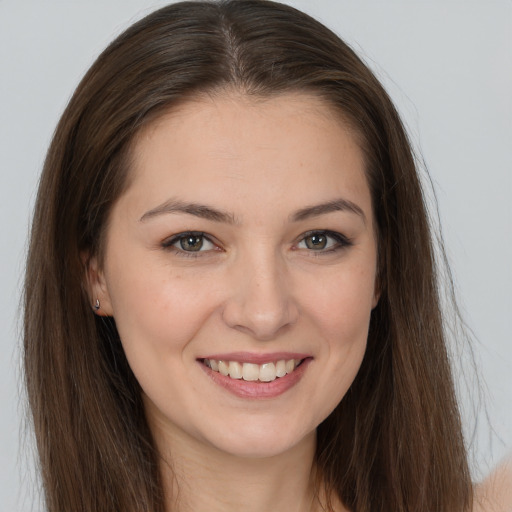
x=448, y=66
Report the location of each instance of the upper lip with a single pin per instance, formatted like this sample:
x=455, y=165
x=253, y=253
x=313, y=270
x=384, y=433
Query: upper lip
x=255, y=357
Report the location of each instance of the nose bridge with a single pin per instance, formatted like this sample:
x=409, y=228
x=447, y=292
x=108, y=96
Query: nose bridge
x=260, y=302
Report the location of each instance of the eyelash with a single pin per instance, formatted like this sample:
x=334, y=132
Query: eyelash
x=169, y=243
x=341, y=242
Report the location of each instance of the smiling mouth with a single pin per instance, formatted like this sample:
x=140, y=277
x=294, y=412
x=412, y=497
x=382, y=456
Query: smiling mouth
x=266, y=372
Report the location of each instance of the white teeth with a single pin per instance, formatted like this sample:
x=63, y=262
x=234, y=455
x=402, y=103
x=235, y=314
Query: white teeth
x=223, y=368
x=281, y=368
x=235, y=370
x=251, y=372
x=290, y=365
x=267, y=372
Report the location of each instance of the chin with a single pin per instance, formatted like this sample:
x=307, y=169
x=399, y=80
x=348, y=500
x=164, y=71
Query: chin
x=260, y=443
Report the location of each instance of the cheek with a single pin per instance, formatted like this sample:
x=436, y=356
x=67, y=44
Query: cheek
x=342, y=304
x=341, y=311
x=158, y=314
x=156, y=309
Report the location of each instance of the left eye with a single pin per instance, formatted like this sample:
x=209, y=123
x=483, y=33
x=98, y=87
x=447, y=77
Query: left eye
x=322, y=241
x=190, y=242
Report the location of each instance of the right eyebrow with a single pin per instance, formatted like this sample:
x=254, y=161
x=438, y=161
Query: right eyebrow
x=199, y=210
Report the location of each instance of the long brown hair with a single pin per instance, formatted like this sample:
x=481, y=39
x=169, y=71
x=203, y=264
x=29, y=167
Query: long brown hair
x=394, y=443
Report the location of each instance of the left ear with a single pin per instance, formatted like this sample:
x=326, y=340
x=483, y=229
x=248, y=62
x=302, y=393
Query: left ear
x=97, y=288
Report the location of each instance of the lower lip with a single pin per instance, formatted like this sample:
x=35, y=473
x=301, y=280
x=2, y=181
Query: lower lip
x=257, y=389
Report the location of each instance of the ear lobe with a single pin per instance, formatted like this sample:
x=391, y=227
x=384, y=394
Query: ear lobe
x=375, y=300
x=376, y=292
x=97, y=288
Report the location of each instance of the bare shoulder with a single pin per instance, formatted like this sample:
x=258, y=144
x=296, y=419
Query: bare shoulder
x=494, y=494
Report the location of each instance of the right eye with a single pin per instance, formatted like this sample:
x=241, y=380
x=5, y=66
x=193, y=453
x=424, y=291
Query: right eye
x=189, y=242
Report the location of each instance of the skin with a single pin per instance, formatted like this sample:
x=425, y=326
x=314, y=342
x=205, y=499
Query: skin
x=255, y=287
x=494, y=494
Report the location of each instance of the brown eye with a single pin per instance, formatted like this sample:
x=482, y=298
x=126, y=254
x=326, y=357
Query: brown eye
x=191, y=242
x=323, y=242
x=316, y=241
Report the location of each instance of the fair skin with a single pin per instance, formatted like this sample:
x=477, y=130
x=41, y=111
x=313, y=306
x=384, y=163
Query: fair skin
x=244, y=246
x=494, y=494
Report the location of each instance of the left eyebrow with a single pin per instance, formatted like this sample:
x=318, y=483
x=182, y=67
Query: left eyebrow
x=336, y=205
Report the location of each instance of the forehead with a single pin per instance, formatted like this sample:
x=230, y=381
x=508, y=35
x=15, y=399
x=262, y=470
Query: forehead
x=232, y=145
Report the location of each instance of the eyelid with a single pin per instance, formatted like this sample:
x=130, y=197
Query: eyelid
x=169, y=242
x=341, y=240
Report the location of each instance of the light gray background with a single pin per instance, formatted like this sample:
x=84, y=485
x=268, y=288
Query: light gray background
x=447, y=65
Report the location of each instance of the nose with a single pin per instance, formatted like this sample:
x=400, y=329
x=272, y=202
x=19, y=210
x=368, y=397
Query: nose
x=260, y=303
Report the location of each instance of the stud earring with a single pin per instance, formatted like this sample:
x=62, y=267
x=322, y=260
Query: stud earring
x=97, y=304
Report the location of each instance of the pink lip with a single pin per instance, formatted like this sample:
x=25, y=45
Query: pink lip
x=251, y=357
x=258, y=390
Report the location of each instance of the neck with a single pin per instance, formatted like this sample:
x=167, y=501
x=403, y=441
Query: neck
x=198, y=477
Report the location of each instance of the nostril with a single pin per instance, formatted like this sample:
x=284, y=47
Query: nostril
x=260, y=324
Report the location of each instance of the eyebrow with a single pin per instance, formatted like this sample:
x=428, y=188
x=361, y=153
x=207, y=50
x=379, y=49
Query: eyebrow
x=199, y=210
x=210, y=213
x=336, y=205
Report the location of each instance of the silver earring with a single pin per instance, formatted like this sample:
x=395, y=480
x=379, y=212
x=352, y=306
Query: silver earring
x=97, y=304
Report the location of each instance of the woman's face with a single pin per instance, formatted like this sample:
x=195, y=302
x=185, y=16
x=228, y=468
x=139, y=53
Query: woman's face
x=244, y=246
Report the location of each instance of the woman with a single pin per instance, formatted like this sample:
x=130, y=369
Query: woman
x=231, y=295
